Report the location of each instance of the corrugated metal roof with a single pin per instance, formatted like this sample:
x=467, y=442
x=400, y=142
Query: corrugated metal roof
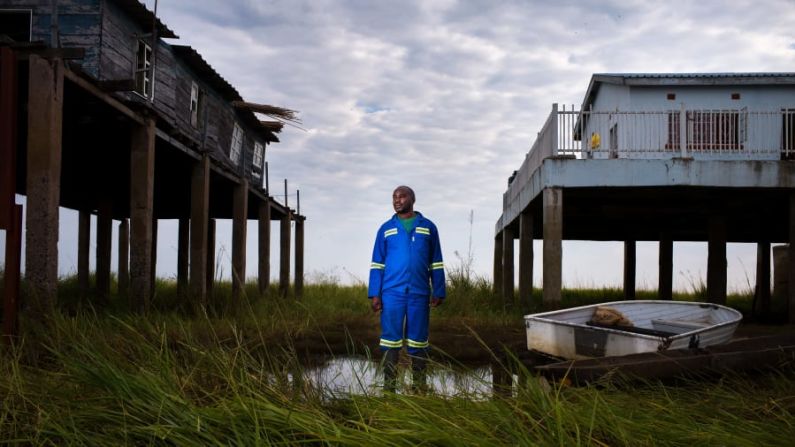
x=700, y=75
x=143, y=16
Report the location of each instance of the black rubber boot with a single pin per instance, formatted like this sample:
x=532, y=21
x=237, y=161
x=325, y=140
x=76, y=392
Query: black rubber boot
x=419, y=380
x=390, y=369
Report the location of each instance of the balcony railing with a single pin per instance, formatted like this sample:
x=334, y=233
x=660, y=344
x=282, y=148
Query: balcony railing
x=728, y=134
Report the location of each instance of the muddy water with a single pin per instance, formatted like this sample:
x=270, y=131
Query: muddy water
x=341, y=376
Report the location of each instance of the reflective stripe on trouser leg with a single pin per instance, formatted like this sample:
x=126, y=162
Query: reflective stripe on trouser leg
x=393, y=315
x=418, y=312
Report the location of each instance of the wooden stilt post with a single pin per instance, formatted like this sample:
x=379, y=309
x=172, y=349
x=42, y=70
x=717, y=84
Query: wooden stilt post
x=525, y=258
x=124, y=258
x=284, y=254
x=83, y=248
x=264, y=271
x=762, y=289
x=210, y=263
x=199, y=223
x=497, y=275
x=791, y=263
x=142, y=176
x=183, y=255
x=103, y=252
x=10, y=212
x=508, y=289
x=239, y=226
x=716, y=261
x=630, y=260
x=299, y=257
x=45, y=119
x=553, y=247
x=665, y=279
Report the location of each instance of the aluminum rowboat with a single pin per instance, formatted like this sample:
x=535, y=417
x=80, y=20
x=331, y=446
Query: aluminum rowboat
x=656, y=326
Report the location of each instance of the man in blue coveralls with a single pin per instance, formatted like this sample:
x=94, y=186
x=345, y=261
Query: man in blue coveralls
x=406, y=279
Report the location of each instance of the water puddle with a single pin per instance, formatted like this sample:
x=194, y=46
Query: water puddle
x=342, y=376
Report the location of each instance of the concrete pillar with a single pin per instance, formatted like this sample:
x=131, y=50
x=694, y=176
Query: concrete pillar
x=103, y=252
x=153, y=253
x=508, y=288
x=716, y=261
x=791, y=264
x=264, y=267
x=497, y=275
x=183, y=255
x=83, y=248
x=199, y=218
x=666, y=268
x=284, y=255
x=630, y=262
x=142, y=176
x=239, y=224
x=762, y=289
x=45, y=120
x=299, y=257
x=124, y=257
x=210, y=263
x=781, y=274
x=553, y=247
x=525, y=258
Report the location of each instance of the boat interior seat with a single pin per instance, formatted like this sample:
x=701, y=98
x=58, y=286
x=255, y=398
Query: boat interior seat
x=677, y=326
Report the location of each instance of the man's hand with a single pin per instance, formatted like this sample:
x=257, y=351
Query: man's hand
x=436, y=301
x=376, y=304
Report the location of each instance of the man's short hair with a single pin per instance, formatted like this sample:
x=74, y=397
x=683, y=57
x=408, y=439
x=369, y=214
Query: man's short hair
x=409, y=190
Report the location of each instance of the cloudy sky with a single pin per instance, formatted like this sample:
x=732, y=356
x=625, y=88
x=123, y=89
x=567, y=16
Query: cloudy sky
x=447, y=96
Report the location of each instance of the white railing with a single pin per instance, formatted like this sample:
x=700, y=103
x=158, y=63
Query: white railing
x=737, y=134
x=708, y=134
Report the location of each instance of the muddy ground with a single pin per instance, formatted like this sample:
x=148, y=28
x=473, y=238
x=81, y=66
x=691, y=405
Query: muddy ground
x=456, y=341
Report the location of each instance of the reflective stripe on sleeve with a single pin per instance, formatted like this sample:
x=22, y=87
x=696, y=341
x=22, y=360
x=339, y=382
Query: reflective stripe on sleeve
x=377, y=266
x=437, y=265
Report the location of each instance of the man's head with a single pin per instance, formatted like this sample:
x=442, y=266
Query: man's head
x=403, y=200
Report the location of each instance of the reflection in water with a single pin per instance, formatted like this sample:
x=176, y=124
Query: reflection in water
x=354, y=375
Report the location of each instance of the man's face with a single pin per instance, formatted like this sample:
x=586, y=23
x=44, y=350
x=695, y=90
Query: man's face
x=401, y=201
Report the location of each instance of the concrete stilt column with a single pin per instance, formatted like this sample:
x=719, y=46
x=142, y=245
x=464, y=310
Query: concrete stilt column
x=791, y=263
x=665, y=280
x=239, y=224
x=525, y=258
x=498, y=266
x=553, y=247
x=264, y=267
x=508, y=288
x=210, y=275
x=299, y=257
x=103, y=252
x=199, y=218
x=284, y=255
x=183, y=254
x=83, y=248
x=142, y=176
x=716, y=261
x=124, y=257
x=630, y=261
x=153, y=253
x=762, y=289
x=45, y=120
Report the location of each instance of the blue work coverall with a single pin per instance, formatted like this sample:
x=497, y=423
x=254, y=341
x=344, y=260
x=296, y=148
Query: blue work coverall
x=405, y=265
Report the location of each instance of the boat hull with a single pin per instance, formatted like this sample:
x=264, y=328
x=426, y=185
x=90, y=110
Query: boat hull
x=567, y=334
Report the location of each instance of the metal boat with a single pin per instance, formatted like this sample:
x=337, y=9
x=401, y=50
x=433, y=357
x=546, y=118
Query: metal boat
x=644, y=326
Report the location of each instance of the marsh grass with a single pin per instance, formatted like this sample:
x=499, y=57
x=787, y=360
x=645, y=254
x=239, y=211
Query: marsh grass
x=233, y=375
